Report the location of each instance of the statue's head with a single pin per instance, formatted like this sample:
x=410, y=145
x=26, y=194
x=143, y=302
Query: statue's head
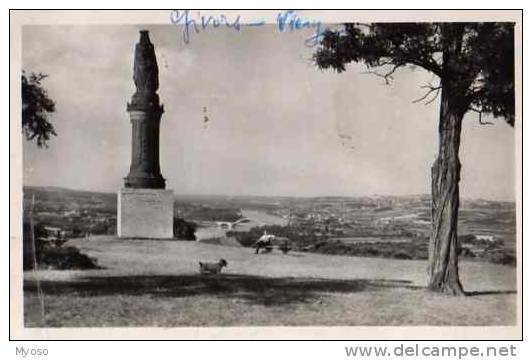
x=144, y=36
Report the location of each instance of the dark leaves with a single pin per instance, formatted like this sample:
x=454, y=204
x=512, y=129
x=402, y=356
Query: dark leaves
x=494, y=89
x=380, y=44
x=36, y=105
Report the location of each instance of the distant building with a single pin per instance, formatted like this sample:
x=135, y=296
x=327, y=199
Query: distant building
x=489, y=238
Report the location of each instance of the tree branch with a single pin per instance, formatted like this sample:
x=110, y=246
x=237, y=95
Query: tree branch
x=480, y=117
x=430, y=66
x=430, y=91
x=387, y=76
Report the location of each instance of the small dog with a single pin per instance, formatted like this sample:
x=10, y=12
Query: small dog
x=212, y=268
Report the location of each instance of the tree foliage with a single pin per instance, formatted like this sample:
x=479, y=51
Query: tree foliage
x=481, y=70
x=184, y=230
x=36, y=106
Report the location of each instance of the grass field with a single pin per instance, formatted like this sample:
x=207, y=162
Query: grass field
x=156, y=283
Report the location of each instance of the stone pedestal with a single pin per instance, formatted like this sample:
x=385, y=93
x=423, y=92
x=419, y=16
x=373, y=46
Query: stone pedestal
x=145, y=213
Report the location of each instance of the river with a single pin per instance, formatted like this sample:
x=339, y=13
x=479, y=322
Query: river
x=256, y=217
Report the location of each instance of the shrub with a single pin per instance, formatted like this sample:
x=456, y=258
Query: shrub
x=402, y=255
x=501, y=257
x=28, y=247
x=184, y=230
x=64, y=258
x=52, y=255
x=466, y=252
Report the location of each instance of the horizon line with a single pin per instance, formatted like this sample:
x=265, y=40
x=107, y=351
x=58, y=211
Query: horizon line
x=275, y=196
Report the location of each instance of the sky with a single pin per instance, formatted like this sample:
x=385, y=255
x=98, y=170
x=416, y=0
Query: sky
x=277, y=124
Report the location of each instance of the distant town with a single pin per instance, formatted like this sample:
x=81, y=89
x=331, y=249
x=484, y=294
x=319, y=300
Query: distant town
x=373, y=226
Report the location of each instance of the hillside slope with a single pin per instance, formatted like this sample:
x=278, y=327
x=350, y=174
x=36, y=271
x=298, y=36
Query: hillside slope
x=156, y=283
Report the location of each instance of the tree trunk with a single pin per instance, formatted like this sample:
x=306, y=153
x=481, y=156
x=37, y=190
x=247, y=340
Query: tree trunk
x=444, y=246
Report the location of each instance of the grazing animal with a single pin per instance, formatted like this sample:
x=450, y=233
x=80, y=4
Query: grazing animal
x=212, y=268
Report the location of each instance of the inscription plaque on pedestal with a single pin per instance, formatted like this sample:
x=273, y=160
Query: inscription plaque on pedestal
x=145, y=213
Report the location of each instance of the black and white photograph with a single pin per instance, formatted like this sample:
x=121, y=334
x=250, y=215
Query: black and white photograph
x=301, y=173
